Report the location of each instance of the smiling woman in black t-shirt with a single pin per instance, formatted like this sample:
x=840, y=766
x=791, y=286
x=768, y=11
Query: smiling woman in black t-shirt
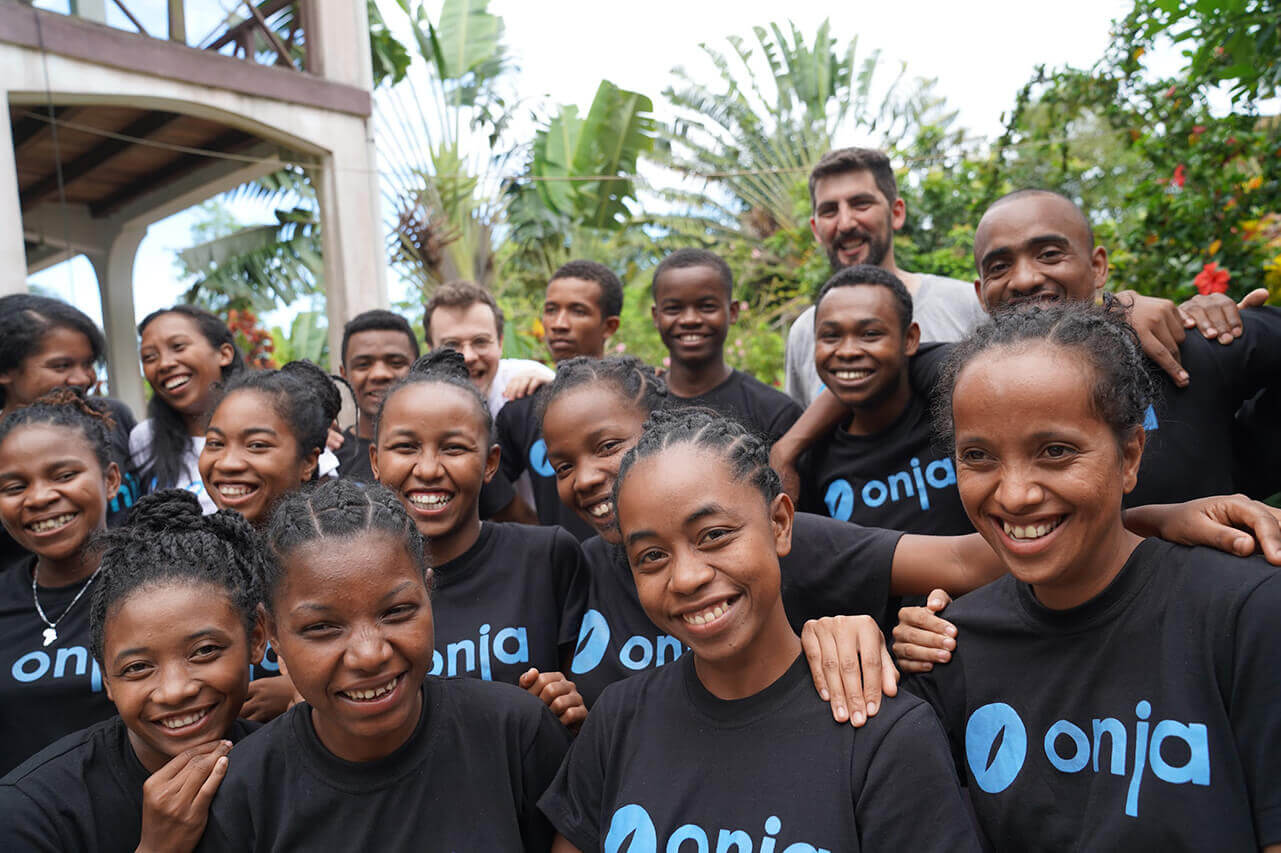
x=703, y=521
x=174, y=627
x=1112, y=692
x=380, y=755
x=508, y=597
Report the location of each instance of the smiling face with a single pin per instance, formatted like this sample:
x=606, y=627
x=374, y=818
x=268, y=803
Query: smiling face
x=573, y=319
x=704, y=547
x=1041, y=475
x=251, y=456
x=434, y=452
x=181, y=364
x=860, y=349
x=53, y=491
x=374, y=361
x=352, y=620
x=586, y=458
x=176, y=664
x=64, y=357
x=1036, y=247
x=473, y=331
x=693, y=312
x=854, y=222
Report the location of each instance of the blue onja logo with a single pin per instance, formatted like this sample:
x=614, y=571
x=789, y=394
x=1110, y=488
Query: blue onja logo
x=841, y=498
x=636, y=653
x=996, y=746
x=631, y=830
x=538, y=459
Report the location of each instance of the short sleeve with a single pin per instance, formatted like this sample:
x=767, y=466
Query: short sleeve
x=571, y=585
x=943, y=689
x=909, y=795
x=574, y=800
x=926, y=367
x=836, y=568
x=541, y=760
x=786, y=415
x=27, y=826
x=507, y=426
x=1255, y=699
x=795, y=358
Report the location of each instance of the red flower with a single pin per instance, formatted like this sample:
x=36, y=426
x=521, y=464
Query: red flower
x=1211, y=279
x=1180, y=176
x=1169, y=93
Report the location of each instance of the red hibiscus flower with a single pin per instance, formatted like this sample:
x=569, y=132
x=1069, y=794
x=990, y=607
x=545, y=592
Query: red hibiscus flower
x=1180, y=176
x=1211, y=279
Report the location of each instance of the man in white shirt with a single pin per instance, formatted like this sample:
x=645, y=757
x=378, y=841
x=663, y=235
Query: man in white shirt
x=856, y=210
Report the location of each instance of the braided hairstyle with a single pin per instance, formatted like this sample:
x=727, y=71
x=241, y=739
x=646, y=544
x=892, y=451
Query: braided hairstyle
x=64, y=407
x=169, y=439
x=1098, y=335
x=633, y=379
x=26, y=318
x=339, y=509
x=303, y=395
x=167, y=540
x=745, y=452
x=446, y=367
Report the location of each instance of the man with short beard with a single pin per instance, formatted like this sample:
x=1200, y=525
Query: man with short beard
x=856, y=210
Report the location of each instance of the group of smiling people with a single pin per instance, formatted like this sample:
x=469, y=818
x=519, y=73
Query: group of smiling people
x=234, y=627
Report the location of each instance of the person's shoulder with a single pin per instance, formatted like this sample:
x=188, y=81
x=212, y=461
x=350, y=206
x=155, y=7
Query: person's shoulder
x=754, y=388
x=140, y=437
x=1206, y=573
x=529, y=536
x=802, y=327
x=65, y=759
x=487, y=706
x=262, y=746
x=508, y=367
x=991, y=602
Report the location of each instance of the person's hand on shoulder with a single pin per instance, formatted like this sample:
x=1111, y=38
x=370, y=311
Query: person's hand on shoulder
x=921, y=637
x=175, y=799
x=525, y=383
x=559, y=694
x=850, y=665
x=1215, y=315
x=1160, y=327
x=1231, y=523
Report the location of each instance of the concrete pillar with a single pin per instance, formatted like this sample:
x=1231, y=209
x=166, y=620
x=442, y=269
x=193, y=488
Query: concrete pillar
x=114, y=267
x=13, y=255
x=351, y=235
x=338, y=42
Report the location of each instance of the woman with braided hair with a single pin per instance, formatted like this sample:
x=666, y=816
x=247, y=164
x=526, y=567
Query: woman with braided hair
x=508, y=597
x=57, y=479
x=174, y=628
x=703, y=520
x=381, y=755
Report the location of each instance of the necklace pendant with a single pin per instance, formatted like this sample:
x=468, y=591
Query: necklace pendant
x=50, y=634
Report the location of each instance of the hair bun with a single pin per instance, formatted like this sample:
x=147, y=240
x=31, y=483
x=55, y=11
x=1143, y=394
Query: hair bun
x=165, y=510
x=316, y=378
x=441, y=361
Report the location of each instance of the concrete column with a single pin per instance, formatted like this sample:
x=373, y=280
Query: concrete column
x=114, y=267
x=13, y=255
x=351, y=235
x=338, y=42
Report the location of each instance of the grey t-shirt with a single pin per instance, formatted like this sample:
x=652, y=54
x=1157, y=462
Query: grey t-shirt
x=946, y=309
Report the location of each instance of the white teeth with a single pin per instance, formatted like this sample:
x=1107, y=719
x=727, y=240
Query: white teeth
x=374, y=693
x=231, y=491
x=690, y=339
x=430, y=501
x=602, y=509
x=176, y=382
x=851, y=375
x=1029, y=531
x=711, y=614
x=179, y=722
x=51, y=523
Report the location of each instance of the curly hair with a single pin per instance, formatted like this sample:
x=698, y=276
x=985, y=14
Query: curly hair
x=631, y=378
x=168, y=540
x=1097, y=335
x=65, y=407
x=443, y=366
x=303, y=395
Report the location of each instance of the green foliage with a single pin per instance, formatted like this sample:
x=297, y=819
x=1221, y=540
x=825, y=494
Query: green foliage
x=307, y=337
x=389, y=57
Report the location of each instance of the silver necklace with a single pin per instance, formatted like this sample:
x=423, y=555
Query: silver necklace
x=51, y=632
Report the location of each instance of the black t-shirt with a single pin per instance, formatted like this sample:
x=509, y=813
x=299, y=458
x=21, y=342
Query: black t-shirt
x=760, y=408
x=131, y=488
x=897, y=478
x=1256, y=448
x=1148, y=718
x=83, y=792
x=468, y=778
x=513, y=600
x=46, y=692
x=524, y=451
x=353, y=464
x=833, y=569
x=664, y=763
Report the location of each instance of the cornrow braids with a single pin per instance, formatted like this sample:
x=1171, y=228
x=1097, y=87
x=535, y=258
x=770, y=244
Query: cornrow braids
x=745, y=452
x=65, y=407
x=1099, y=335
x=302, y=394
x=339, y=508
x=168, y=540
x=446, y=367
x=633, y=379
